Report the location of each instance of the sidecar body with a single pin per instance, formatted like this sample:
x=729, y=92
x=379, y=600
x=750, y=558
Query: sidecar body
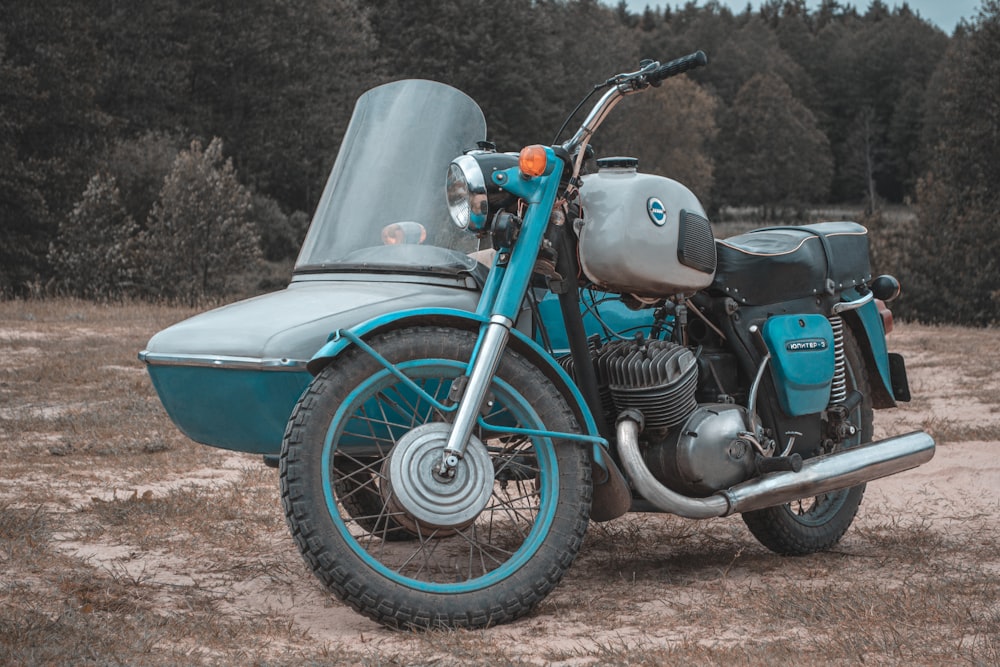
x=380, y=242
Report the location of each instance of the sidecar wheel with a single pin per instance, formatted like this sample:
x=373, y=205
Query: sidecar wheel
x=816, y=524
x=476, y=552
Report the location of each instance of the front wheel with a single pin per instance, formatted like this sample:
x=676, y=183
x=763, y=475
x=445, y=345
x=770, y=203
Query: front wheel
x=378, y=525
x=816, y=524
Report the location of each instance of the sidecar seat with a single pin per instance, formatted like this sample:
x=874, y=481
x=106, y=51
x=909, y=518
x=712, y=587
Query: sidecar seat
x=782, y=263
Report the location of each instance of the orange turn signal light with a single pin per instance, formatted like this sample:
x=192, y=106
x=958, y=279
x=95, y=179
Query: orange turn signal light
x=533, y=160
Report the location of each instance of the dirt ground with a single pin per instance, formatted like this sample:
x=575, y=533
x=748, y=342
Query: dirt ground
x=122, y=542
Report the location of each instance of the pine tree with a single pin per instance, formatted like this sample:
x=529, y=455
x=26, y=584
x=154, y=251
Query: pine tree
x=93, y=253
x=775, y=155
x=199, y=236
x=668, y=129
x=954, y=271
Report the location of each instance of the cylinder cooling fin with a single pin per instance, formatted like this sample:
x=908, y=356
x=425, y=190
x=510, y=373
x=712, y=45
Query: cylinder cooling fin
x=658, y=378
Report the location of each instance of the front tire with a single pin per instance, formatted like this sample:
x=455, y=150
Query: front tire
x=816, y=524
x=394, y=541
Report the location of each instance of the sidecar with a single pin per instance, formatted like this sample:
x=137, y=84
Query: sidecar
x=380, y=241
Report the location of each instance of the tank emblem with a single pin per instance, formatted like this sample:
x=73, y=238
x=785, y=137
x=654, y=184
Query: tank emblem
x=657, y=211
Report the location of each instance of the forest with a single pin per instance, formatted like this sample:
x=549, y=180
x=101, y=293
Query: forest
x=169, y=150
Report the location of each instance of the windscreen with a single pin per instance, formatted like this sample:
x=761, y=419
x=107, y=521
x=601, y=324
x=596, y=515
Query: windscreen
x=391, y=169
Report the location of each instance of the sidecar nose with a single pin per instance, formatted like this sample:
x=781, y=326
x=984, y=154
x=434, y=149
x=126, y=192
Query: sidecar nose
x=230, y=377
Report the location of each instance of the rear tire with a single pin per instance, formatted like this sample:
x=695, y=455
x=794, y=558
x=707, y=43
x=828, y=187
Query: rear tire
x=345, y=495
x=816, y=524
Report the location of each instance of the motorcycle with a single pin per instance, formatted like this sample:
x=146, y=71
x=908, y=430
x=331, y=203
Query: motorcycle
x=461, y=425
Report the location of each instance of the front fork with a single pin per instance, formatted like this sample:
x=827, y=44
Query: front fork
x=501, y=299
x=493, y=342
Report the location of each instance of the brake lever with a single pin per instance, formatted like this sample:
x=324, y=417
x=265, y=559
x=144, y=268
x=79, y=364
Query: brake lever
x=636, y=80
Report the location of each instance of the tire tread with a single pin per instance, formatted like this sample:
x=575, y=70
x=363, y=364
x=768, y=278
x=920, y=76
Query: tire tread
x=408, y=608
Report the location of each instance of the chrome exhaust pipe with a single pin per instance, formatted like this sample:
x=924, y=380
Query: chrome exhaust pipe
x=650, y=488
x=822, y=474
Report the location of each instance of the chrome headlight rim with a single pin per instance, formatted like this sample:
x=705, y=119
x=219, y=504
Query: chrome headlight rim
x=468, y=202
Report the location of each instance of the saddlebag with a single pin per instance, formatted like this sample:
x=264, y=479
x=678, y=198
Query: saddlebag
x=782, y=263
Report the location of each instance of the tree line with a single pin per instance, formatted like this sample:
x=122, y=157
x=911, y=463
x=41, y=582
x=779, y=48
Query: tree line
x=139, y=139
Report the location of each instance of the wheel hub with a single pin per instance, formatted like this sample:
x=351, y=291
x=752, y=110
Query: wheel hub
x=423, y=495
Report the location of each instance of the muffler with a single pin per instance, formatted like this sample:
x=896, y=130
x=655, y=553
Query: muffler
x=818, y=475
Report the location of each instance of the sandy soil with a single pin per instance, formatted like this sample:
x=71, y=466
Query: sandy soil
x=646, y=587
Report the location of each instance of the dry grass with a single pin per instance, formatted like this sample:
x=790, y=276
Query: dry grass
x=121, y=542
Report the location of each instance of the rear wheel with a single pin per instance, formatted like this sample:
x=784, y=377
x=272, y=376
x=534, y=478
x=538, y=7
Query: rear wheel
x=391, y=538
x=817, y=523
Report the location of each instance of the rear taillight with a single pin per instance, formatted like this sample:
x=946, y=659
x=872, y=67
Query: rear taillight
x=886, y=315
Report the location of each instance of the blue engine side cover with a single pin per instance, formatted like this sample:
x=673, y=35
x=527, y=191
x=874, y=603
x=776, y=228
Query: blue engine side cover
x=802, y=361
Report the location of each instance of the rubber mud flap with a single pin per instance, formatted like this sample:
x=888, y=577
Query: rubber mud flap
x=612, y=497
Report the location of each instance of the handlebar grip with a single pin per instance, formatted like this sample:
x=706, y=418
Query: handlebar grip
x=678, y=66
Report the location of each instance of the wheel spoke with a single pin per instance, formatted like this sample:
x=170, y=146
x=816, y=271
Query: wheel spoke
x=433, y=554
x=359, y=468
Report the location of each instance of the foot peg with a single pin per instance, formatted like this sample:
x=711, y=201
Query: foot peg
x=766, y=464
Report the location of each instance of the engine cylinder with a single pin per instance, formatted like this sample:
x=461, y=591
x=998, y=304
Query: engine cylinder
x=656, y=377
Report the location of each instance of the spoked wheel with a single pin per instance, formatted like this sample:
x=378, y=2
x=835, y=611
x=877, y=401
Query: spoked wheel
x=391, y=537
x=816, y=524
x=359, y=489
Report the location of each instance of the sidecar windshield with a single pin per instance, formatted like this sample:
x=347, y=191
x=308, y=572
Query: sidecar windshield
x=391, y=169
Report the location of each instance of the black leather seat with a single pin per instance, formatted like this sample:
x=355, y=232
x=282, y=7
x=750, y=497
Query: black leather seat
x=781, y=263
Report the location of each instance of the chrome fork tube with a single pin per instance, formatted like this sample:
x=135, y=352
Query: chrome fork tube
x=494, y=341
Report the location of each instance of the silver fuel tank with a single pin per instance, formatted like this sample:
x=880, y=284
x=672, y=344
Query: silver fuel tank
x=643, y=234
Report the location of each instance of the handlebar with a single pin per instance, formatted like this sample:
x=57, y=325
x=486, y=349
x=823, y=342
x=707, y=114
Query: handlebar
x=651, y=73
x=677, y=66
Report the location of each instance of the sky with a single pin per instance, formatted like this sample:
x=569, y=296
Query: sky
x=944, y=13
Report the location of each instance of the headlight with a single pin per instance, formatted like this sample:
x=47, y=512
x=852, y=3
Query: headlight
x=473, y=197
x=468, y=203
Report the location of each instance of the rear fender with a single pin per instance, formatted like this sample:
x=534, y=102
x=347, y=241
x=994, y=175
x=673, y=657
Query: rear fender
x=866, y=325
x=460, y=319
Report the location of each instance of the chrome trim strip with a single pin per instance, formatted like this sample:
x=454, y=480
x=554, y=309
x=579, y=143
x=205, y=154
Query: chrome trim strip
x=221, y=361
x=745, y=251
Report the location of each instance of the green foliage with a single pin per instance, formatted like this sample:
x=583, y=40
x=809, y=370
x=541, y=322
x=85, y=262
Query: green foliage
x=678, y=149
x=279, y=80
x=775, y=153
x=871, y=74
x=754, y=49
x=118, y=88
x=275, y=80
x=24, y=214
x=49, y=127
x=200, y=234
x=139, y=165
x=954, y=270
x=93, y=254
x=61, y=123
x=280, y=234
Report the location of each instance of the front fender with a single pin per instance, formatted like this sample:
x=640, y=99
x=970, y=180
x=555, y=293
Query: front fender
x=461, y=319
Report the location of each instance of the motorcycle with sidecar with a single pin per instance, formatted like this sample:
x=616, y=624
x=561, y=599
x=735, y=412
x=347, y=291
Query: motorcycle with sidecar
x=480, y=352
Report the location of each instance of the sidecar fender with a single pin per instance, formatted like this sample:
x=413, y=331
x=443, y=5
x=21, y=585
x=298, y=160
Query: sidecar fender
x=461, y=319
